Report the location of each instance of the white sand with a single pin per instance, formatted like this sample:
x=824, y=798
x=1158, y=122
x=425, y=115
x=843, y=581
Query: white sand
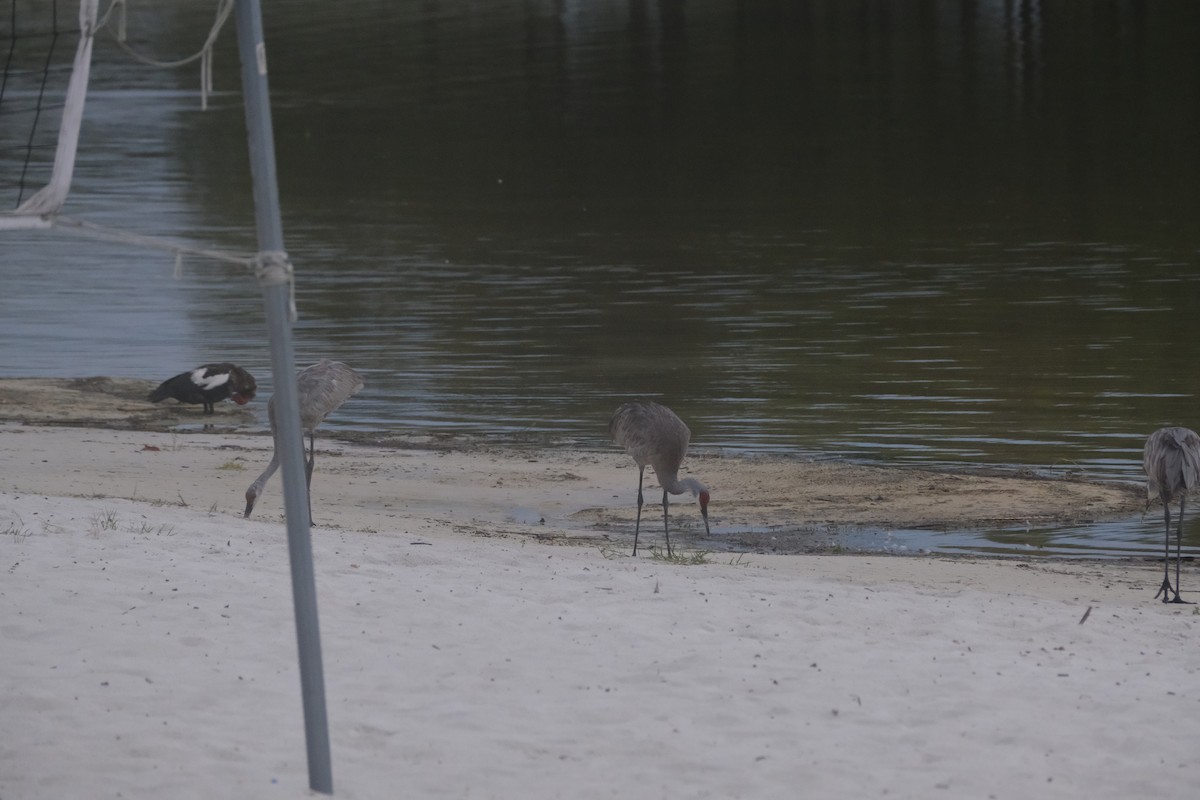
x=147, y=650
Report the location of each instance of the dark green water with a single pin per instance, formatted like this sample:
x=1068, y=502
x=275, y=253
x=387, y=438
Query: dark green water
x=937, y=233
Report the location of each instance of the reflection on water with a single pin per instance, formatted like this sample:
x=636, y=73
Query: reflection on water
x=818, y=228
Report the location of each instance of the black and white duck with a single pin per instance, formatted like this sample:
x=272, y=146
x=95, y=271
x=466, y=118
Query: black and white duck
x=208, y=384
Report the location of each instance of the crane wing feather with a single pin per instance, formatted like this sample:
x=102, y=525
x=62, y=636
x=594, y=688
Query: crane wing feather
x=1171, y=461
x=652, y=434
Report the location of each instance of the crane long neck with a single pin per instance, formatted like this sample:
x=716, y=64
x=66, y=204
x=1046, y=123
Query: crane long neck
x=262, y=479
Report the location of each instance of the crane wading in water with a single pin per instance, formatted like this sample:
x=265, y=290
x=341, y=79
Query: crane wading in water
x=1172, y=463
x=321, y=389
x=653, y=434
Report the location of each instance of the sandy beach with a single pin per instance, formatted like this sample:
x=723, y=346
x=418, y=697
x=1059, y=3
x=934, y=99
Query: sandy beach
x=487, y=634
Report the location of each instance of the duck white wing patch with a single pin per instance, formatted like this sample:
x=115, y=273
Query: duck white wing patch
x=206, y=381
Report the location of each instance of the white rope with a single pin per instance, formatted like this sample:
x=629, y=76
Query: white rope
x=224, y=9
x=271, y=267
x=100, y=232
x=121, y=22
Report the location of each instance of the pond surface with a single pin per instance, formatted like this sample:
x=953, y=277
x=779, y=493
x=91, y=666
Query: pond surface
x=951, y=234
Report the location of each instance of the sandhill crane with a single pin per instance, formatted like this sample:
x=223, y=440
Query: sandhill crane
x=321, y=388
x=653, y=434
x=208, y=384
x=1172, y=463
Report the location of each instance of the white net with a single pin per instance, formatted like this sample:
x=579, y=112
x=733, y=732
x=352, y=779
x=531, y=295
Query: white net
x=43, y=90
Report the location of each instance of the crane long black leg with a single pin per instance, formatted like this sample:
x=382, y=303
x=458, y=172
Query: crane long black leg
x=1178, y=549
x=1165, y=589
x=308, y=471
x=666, y=528
x=638, y=525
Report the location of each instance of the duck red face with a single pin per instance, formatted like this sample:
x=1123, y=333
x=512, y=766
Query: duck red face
x=244, y=386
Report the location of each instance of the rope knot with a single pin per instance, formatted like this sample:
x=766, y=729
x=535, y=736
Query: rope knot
x=272, y=268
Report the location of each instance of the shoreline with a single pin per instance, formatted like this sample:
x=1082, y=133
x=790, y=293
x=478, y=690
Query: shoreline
x=485, y=601
x=760, y=504
x=581, y=493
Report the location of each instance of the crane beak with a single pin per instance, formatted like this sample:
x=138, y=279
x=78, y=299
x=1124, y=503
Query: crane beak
x=704, y=511
x=251, y=497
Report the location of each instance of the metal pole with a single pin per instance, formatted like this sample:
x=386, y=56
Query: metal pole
x=275, y=278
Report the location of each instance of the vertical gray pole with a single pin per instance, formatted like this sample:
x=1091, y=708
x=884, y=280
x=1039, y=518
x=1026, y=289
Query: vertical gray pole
x=275, y=278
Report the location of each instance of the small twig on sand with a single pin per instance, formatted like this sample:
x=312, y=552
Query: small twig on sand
x=1083, y=619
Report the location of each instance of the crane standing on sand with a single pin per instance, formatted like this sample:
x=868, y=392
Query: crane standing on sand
x=1172, y=463
x=322, y=388
x=653, y=434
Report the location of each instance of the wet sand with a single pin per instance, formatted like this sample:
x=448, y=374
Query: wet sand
x=552, y=493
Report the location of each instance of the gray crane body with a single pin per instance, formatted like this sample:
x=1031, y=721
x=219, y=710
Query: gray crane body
x=321, y=388
x=654, y=435
x=1171, y=460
